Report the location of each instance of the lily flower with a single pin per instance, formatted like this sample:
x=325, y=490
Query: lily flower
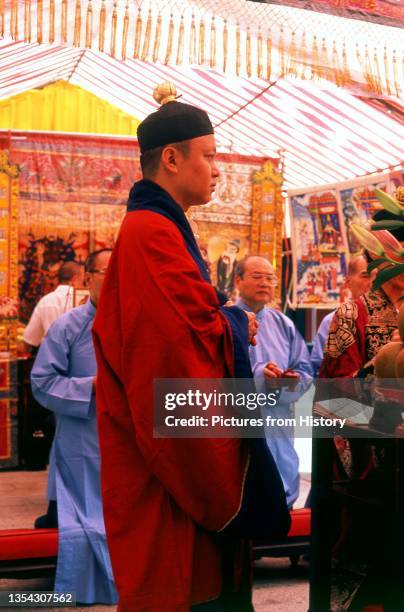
x=393, y=248
x=367, y=239
x=389, y=203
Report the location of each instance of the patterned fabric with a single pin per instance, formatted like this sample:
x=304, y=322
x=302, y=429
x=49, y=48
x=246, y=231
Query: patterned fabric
x=381, y=323
x=346, y=331
x=342, y=332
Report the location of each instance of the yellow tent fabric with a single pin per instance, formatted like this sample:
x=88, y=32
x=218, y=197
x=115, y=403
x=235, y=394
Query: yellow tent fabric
x=63, y=107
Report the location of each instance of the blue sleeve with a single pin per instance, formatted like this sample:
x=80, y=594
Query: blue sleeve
x=317, y=353
x=51, y=384
x=298, y=360
x=238, y=322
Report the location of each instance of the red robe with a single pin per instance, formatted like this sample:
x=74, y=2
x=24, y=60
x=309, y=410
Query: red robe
x=357, y=332
x=163, y=498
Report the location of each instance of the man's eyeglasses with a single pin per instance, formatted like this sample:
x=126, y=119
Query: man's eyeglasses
x=98, y=271
x=271, y=279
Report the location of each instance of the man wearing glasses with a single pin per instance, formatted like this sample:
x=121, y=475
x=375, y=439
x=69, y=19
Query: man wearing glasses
x=64, y=380
x=280, y=352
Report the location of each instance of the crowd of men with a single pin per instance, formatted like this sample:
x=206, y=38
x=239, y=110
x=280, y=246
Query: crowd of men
x=160, y=523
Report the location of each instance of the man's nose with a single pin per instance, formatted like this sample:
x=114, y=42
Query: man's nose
x=215, y=170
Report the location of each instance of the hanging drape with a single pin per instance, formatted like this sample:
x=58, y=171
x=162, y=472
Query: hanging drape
x=64, y=108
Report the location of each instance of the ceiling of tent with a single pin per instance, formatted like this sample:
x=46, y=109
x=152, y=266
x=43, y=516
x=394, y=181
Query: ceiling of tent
x=323, y=132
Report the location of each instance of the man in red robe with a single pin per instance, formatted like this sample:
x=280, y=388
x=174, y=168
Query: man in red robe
x=167, y=500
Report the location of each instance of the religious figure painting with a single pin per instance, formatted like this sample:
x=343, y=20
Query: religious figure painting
x=320, y=251
x=359, y=204
x=222, y=246
x=48, y=236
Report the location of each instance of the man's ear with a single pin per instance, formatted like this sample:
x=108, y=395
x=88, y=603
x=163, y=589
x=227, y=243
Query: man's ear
x=169, y=159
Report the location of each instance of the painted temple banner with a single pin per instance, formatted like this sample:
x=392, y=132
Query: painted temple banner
x=321, y=236
x=319, y=249
x=267, y=217
x=241, y=216
x=359, y=204
x=9, y=202
x=73, y=194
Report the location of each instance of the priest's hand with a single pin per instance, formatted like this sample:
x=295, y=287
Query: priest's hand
x=293, y=378
x=272, y=370
x=252, y=327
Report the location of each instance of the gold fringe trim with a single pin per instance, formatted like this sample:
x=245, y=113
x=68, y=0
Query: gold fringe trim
x=303, y=56
x=180, y=47
x=346, y=75
x=89, y=25
x=314, y=58
x=2, y=18
x=238, y=50
x=14, y=19
x=395, y=74
x=269, y=56
x=51, y=21
x=201, y=46
x=225, y=45
x=138, y=35
x=323, y=69
x=335, y=64
x=282, y=55
x=157, y=37
x=64, y=21
x=259, y=54
x=125, y=31
x=112, y=46
x=147, y=35
x=101, y=28
x=292, y=52
x=293, y=57
x=378, y=79
x=27, y=21
x=212, y=61
x=386, y=68
x=39, y=22
x=248, y=52
x=368, y=71
x=170, y=40
x=77, y=24
x=192, y=41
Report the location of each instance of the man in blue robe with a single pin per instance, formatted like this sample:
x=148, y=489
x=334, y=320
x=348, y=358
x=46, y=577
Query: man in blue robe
x=64, y=381
x=280, y=352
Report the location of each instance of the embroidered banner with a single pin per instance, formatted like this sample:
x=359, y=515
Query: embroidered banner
x=9, y=200
x=73, y=194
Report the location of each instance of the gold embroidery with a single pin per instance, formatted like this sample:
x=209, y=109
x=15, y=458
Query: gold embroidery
x=382, y=321
x=342, y=333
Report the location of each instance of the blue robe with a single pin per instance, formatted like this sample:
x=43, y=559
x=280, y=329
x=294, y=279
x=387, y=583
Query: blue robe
x=62, y=381
x=279, y=341
x=317, y=352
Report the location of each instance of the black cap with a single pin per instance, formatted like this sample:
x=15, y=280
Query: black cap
x=173, y=122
